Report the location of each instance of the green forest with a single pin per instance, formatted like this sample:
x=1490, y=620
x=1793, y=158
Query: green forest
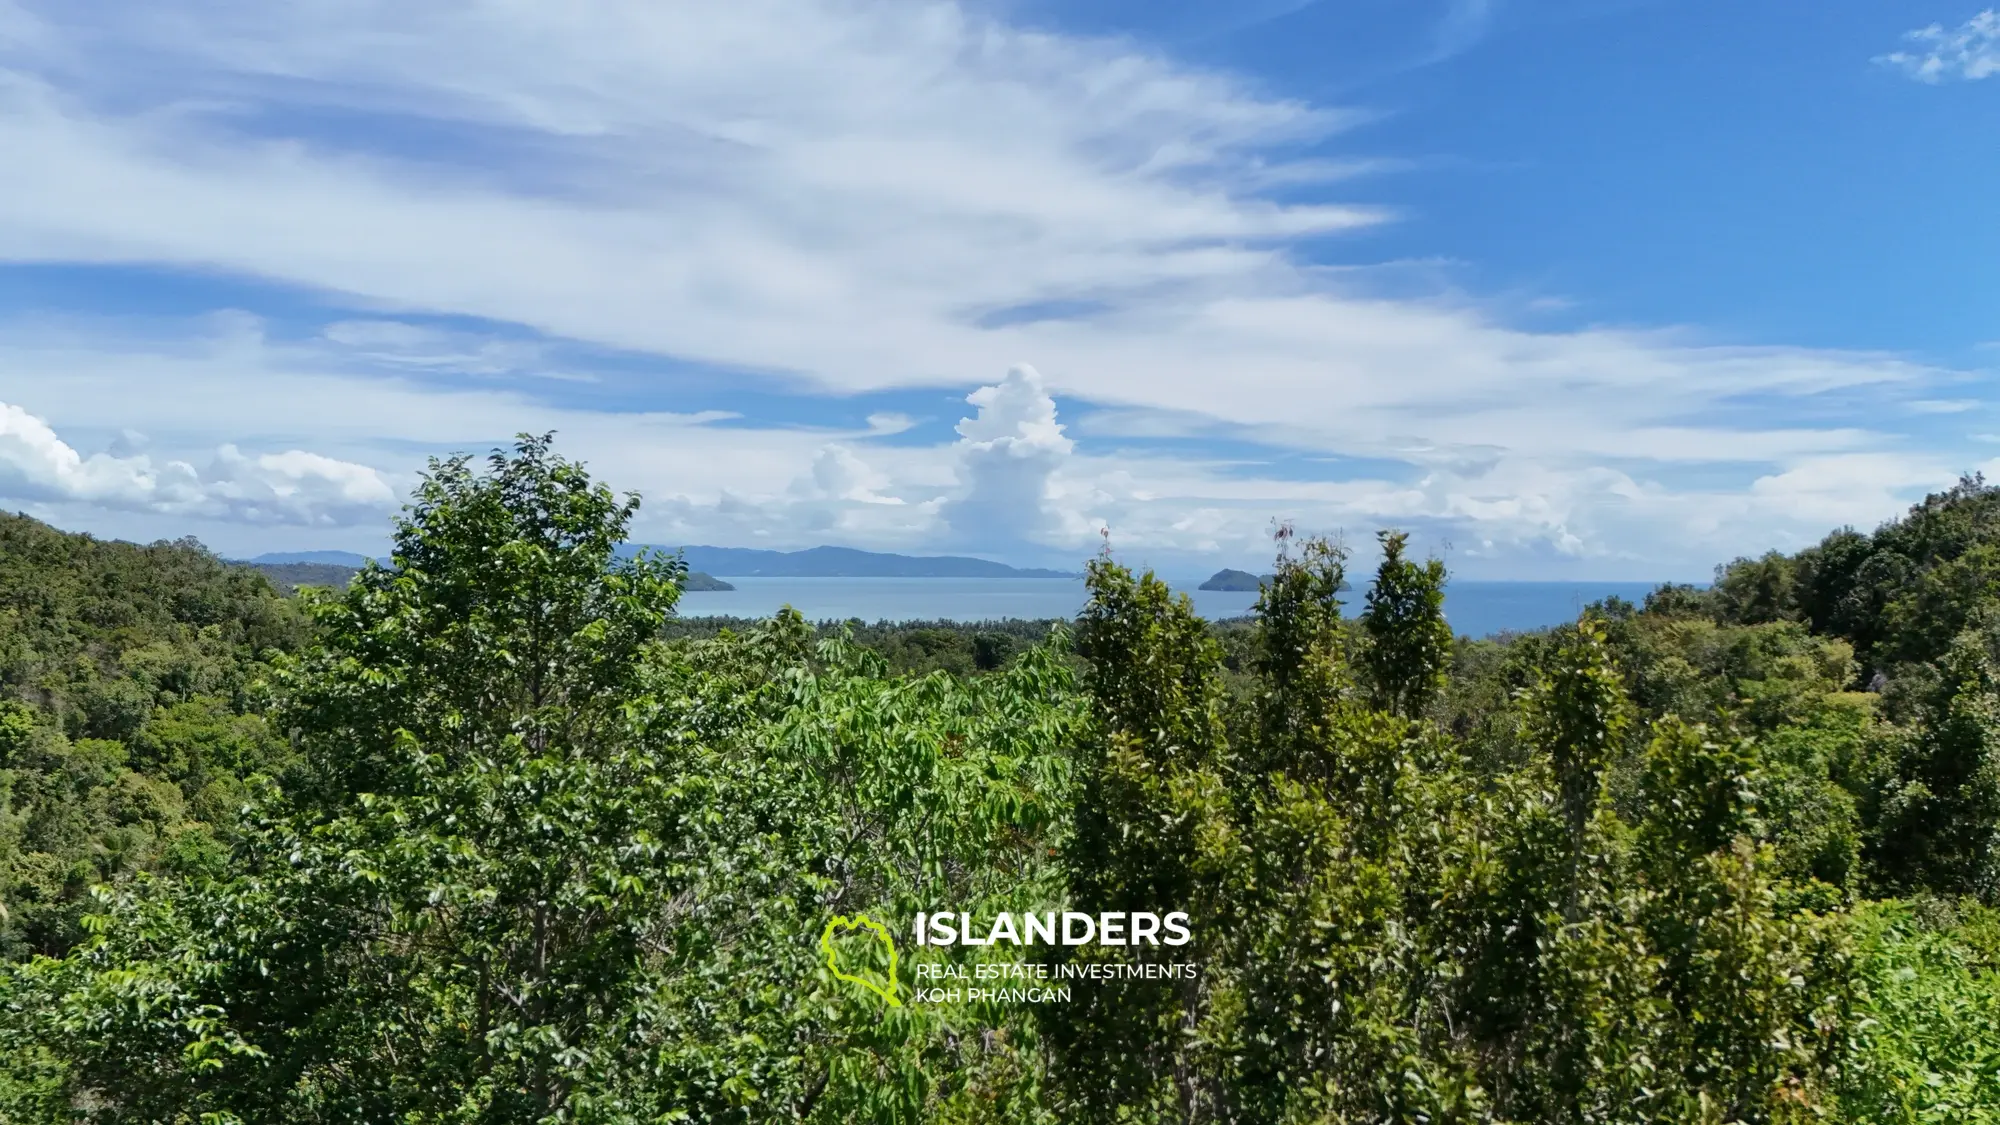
x=490, y=835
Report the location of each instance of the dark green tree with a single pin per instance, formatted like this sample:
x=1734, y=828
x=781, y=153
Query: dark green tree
x=1577, y=712
x=991, y=650
x=1940, y=821
x=1757, y=591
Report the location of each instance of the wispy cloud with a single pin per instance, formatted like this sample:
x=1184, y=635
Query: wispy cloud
x=888, y=422
x=1465, y=23
x=1243, y=15
x=1936, y=54
x=418, y=347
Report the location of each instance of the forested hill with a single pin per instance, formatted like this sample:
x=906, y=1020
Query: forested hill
x=95, y=632
x=1903, y=596
x=530, y=849
x=289, y=577
x=130, y=710
x=129, y=714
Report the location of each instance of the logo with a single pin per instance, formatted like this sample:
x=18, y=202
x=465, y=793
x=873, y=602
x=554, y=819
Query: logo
x=841, y=924
x=1112, y=928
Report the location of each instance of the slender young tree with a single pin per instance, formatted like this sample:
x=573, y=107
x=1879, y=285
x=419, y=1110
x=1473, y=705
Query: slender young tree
x=1408, y=653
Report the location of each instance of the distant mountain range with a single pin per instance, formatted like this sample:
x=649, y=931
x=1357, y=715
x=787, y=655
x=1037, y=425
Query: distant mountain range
x=347, y=559
x=291, y=570
x=846, y=562
x=750, y=562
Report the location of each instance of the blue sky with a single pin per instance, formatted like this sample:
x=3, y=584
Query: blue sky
x=1569, y=288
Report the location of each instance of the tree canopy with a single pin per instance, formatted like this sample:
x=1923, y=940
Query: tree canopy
x=489, y=835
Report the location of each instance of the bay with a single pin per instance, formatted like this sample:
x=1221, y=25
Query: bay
x=1476, y=609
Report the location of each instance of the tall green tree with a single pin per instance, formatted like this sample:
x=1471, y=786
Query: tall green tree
x=1940, y=821
x=444, y=915
x=1308, y=850
x=539, y=865
x=1150, y=823
x=1409, y=649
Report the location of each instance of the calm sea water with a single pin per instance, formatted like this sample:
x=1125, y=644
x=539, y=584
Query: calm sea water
x=1474, y=608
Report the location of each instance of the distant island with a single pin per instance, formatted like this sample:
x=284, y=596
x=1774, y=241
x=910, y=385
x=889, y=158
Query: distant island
x=290, y=570
x=846, y=562
x=1235, y=580
x=347, y=559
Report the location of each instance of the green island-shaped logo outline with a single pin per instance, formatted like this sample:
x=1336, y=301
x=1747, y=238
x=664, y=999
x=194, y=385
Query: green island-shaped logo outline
x=841, y=922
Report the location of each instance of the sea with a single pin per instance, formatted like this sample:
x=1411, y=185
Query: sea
x=1476, y=609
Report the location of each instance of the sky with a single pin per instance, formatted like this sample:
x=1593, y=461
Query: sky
x=1568, y=289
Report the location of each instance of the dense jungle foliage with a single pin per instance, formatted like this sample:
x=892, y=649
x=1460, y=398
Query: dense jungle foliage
x=490, y=835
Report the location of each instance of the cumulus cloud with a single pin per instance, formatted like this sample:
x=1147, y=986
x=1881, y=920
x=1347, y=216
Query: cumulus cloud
x=294, y=487
x=1937, y=54
x=1009, y=455
x=1854, y=489
x=838, y=498
x=838, y=474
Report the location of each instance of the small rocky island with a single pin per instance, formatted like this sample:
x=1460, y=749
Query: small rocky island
x=1236, y=580
x=697, y=582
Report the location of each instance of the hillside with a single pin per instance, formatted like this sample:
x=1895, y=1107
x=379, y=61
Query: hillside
x=289, y=576
x=129, y=715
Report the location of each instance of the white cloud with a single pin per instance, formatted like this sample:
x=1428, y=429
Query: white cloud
x=1855, y=489
x=293, y=487
x=838, y=474
x=397, y=343
x=886, y=423
x=1009, y=455
x=1936, y=54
